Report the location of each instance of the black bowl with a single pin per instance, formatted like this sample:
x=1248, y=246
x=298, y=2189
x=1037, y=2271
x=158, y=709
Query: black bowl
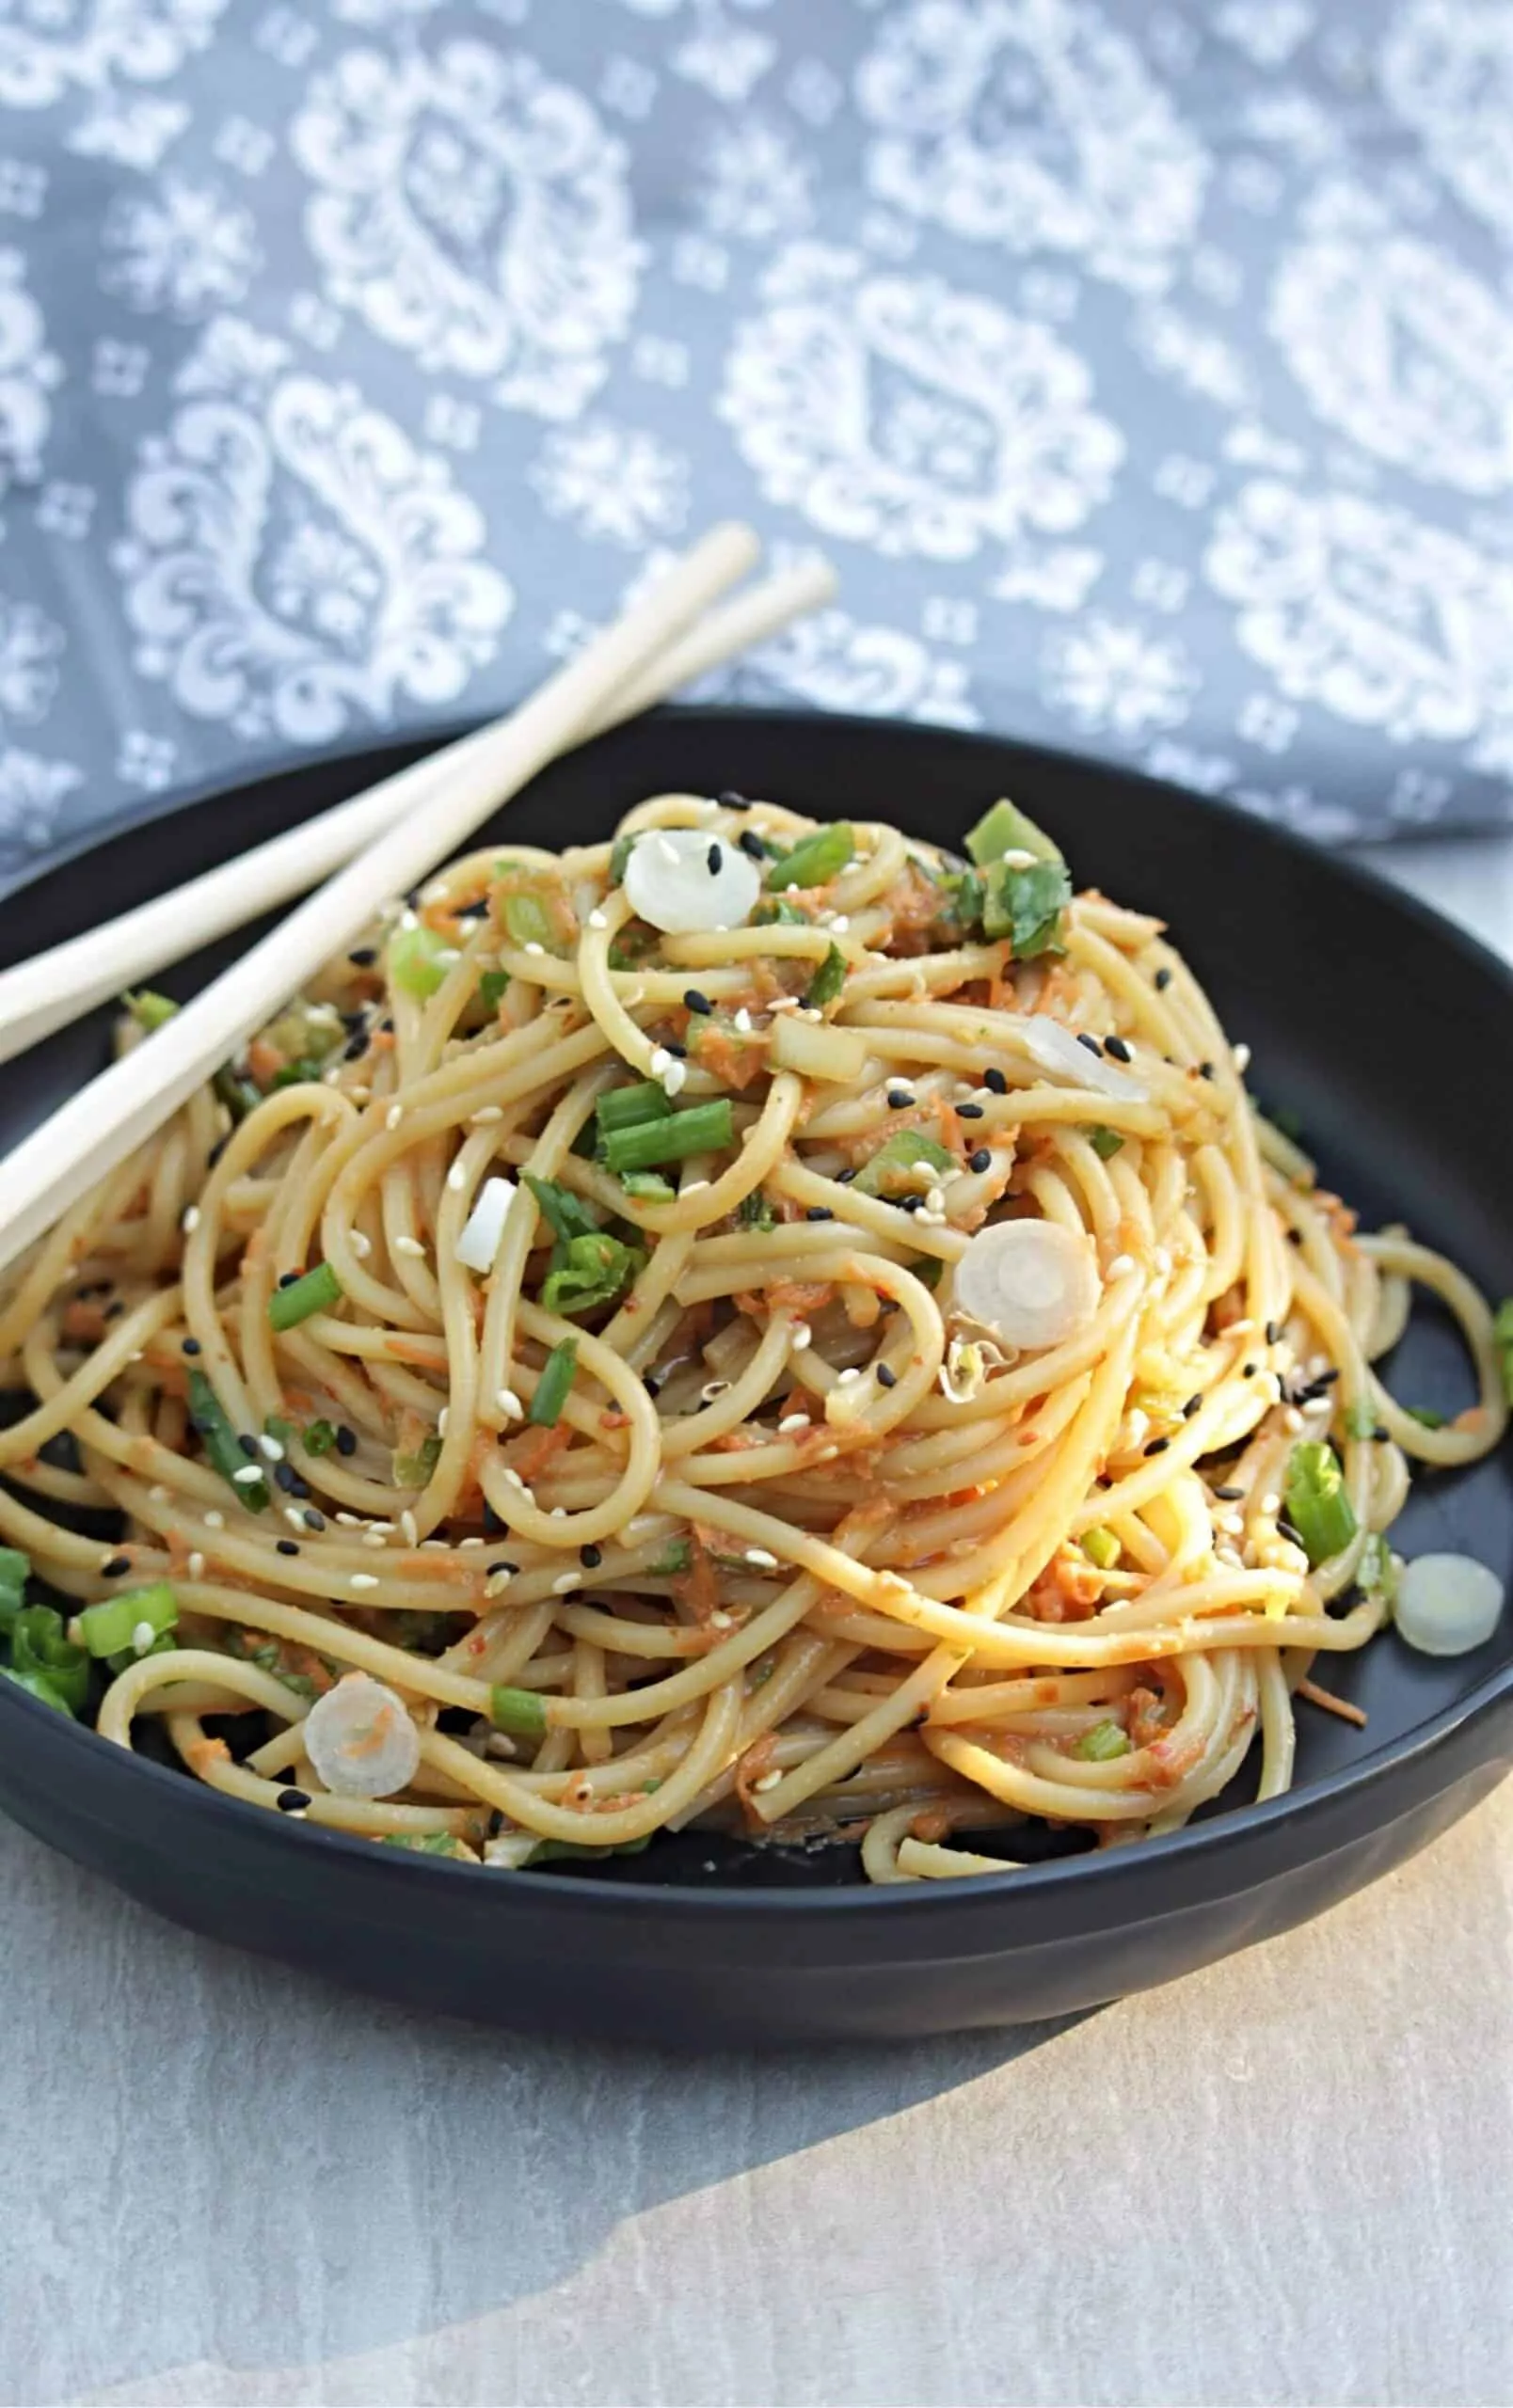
x=1374, y=1020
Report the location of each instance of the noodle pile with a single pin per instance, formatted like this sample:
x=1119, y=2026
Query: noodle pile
x=802, y=1552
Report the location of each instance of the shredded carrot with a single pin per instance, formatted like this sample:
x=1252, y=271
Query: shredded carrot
x=1342, y=1706
x=540, y=1449
x=207, y=1751
x=264, y=1061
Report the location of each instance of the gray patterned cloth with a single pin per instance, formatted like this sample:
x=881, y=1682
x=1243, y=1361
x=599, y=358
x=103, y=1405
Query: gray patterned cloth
x=1147, y=371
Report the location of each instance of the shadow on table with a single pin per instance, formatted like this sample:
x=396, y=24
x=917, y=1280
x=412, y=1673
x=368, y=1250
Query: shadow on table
x=270, y=2171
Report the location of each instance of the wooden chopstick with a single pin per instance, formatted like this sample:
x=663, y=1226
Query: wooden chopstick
x=99, y=1127
x=60, y=984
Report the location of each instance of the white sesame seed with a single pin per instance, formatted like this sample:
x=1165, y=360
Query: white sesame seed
x=1271, y=1503
x=158, y=1493
x=196, y=1565
x=759, y=1556
x=768, y=1779
x=373, y=1538
x=485, y=1113
x=1291, y=1421
x=410, y=1246
x=457, y=1177
x=407, y=921
x=566, y=1581
x=470, y=1542
x=1119, y=1265
x=661, y=1060
x=845, y=1379
x=496, y=1583
x=793, y=1421
x=840, y=923
x=190, y=1221
x=441, y=1424
x=361, y=1247
x=803, y=1337
x=362, y=1580
x=1161, y=1262
x=741, y=1020
x=1240, y=1055
x=215, y=1518
x=272, y=1448
x=935, y=1200
x=142, y=1637
x=721, y=1621
x=246, y=1474
x=394, y=1114
x=1233, y=1525
x=539, y=950
x=597, y=920
x=509, y=1404
x=693, y=1186
x=674, y=1077
x=350, y=1521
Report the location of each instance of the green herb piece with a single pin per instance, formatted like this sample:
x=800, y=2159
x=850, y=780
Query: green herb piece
x=927, y=1269
x=416, y=962
x=317, y=1437
x=1375, y=1575
x=564, y=1214
x=557, y=1376
x=899, y=1154
x=150, y=1010
x=1025, y=906
x=429, y=1843
x=124, y=1657
x=521, y=1712
x=222, y=1448
x=815, y=860
x=781, y=914
x=1103, y=1743
x=37, y=1685
x=827, y=981
x=491, y=985
x=527, y=921
x=620, y=853
x=296, y=1075
x=1101, y=1548
x=592, y=1271
x=1105, y=1143
x=414, y=1470
x=40, y=1646
x=110, y=1626
x=237, y=1094
x=1427, y=1414
x=1005, y=828
x=316, y=1292
x=1317, y=1505
x=628, y=1107
x=1360, y=1420
x=674, y=1559
x=649, y=1187
x=15, y=1570
x=754, y=1212
x=704, y=1129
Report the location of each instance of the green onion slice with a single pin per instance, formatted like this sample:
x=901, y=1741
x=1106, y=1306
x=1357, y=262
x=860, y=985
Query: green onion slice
x=1317, y=1504
x=316, y=1292
x=551, y=1388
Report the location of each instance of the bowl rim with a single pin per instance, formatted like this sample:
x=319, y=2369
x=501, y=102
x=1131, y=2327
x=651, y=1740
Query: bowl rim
x=1089, y=1873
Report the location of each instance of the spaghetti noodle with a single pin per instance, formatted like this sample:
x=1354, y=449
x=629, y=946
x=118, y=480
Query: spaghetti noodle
x=866, y=1369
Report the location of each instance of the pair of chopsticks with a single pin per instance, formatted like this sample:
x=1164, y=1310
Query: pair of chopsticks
x=378, y=846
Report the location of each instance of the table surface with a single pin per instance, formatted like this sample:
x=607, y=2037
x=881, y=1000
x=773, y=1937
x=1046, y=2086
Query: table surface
x=1282, y=2180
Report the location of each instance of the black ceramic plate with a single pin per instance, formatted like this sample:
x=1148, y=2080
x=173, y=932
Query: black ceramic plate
x=1369, y=1016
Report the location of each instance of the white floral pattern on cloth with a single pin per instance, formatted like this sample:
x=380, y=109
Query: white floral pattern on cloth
x=293, y=562
x=896, y=412
x=1033, y=123
x=475, y=212
x=1146, y=371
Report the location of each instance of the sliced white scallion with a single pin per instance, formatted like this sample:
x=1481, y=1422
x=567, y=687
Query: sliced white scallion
x=1052, y=1045
x=361, y=1740
x=1447, y=1604
x=687, y=882
x=1031, y=1281
x=477, y=1248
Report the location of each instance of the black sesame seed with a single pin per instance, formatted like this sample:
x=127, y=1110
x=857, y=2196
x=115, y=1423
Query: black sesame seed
x=679, y=1053
x=1117, y=1047
x=1248, y=1371
x=217, y=1151
x=313, y=1520
x=248, y=1445
x=1380, y=1431
x=730, y=801
x=886, y=1378
x=1194, y=1404
x=909, y=1203
x=590, y=1558
x=117, y=1564
x=289, y=1278
x=844, y=1178
x=364, y=956
x=980, y=1160
x=495, y=1568
x=995, y=1081
x=969, y=1111
x=1205, y=1069
x=291, y=1801
x=346, y=1440
x=695, y=1002
x=1162, y=980
x=288, y=1546
x=1229, y=1496
x=1273, y=1332
x=1090, y=1043
x=354, y=1048
x=714, y=860
x=298, y=1487
x=192, y=1346
x=899, y=1098
x=351, y=1021
x=285, y=1475
x=652, y=1383
x=819, y=1213
x=751, y=842
x=1158, y=1446
x=113, y=1312
x=477, y=911
x=1294, y=1236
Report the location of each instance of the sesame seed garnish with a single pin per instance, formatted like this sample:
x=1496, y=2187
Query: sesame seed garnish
x=295, y=1518
x=1273, y=1333
x=114, y=1565
x=538, y=950
x=1084, y=1037
x=790, y=1423
x=356, y=1046
x=192, y=1346
x=590, y=1558
x=899, y=1098
x=694, y=1001
x=1205, y=1069
x=674, y=1077
x=509, y=1404
x=215, y=1518
x=819, y=1213
x=714, y=860
x=272, y=1448
x=1158, y=1446
x=196, y=1565
x=289, y=1480
x=190, y=1221
x=291, y=1801
x=363, y=956
x=803, y=1335
x=1229, y=1496
x=394, y=1114
x=457, y=1179
x=980, y=1160
x=1162, y=980
x=360, y=1245
x=751, y=842
x=995, y=1081
x=731, y=800
x=311, y=1519
x=373, y=1538
x=1117, y=1047
x=410, y=1246
x=247, y=1475
x=346, y=1440
x=969, y=1111
x=679, y=1053
x=485, y=1111
x=503, y=1570
x=759, y=1556
x=1248, y=1371
x=362, y=1580
x=565, y=1582
x=1240, y=1057
x=1194, y=1404
x=1291, y=1421
x=886, y=1376
x=597, y=920
x=909, y=1203
x=410, y=1528
x=287, y=1546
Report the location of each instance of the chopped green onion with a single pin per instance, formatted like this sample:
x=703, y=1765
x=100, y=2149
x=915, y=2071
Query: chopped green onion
x=521, y=1712
x=1427, y=1414
x=1105, y=1143
x=628, y=1107
x=1360, y=1420
x=429, y=1843
x=704, y=1129
x=1503, y=1340
x=40, y=1645
x=634, y=941
x=827, y=981
x=754, y=1212
x=557, y=1375
x=111, y=1626
x=415, y=962
x=316, y=1292
x=649, y=1187
x=296, y=1075
x=593, y=1270
x=237, y=1094
x=781, y=914
x=527, y=921
x=277, y=1426
x=902, y=1152
x=815, y=860
x=414, y=1470
x=317, y=1437
x=619, y=855
x=1101, y=1548
x=150, y=1010
x=491, y=985
x=222, y=1448
x=1005, y=828
x=1103, y=1743
x=15, y=1570
x=674, y=1559
x=124, y=1657
x=37, y=1685
x=1025, y=906
x=557, y=1851
x=1317, y=1505
x=1377, y=1575
x=566, y=1216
